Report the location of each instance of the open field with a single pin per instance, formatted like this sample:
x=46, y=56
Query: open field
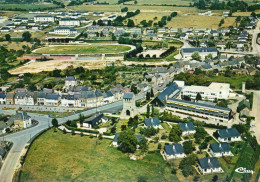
x=117, y=8
x=196, y=21
x=168, y=2
x=59, y=157
x=83, y=49
x=26, y=6
x=14, y=45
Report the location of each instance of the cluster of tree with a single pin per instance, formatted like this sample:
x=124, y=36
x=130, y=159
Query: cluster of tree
x=134, y=52
x=222, y=21
x=125, y=9
x=78, y=2
x=149, y=94
x=254, y=83
x=122, y=1
x=120, y=19
x=168, y=52
x=133, y=122
x=200, y=134
x=164, y=19
x=127, y=40
x=151, y=113
x=175, y=134
x=144, y=23
x=101, y=23
x=187, y=146
x=148, y=131
x=186, y=165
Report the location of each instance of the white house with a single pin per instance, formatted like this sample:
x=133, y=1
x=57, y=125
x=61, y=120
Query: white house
x=209, y=165
x=173, y=151
x=187, y=128
x=69, y=22
x=220, y=149
x=63, y=31
x=213, y=91
x=44, y=18
x=52, y=100
x=70, y=81
x=70, y=100
x=24, y=98
x=95, y=120
x=228, y=135
x=41, y=96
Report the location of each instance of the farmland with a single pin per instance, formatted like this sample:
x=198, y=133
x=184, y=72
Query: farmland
x=83, y=49
x=26, y=7
x=88, y=159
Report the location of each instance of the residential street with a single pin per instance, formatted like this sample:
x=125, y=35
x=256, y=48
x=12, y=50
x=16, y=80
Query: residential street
x=256, y=47
x=256, y=112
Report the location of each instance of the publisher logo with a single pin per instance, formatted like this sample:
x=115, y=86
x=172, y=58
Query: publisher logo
x=243, y=170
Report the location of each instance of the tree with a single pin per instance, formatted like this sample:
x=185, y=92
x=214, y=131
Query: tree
x=196, y=56
x=215, y=178
x=187, y=146
x=143, y=144
x=200, y=134
x=100, y=137
x=54, y=122
x=159, y=146
x=7, y=37
x=127, y=141
x=175, y=134
x=186, y=165
x=152, y=94
x=81, y=119
x=148, y=95
x=222, y=21
x=198, y=97
x=147, y=111
x=26, y=36
x=130, y=23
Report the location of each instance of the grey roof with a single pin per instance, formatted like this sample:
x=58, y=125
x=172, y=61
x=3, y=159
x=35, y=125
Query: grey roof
x=71, y=78
x=41, y=95
x=18, y=116
x=107, y=94
x=47, y=90
x=52, y=96
x=128, y=95
x=220, y=147
x=187, y=126
x=152, y=122
x=20, y=95
x=2, y=95
x=95, y=119
x=226, y=133
x=209, y=163
x=173, y=149
x=2, y=151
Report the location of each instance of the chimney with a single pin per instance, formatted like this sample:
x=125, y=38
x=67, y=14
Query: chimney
x=208, y=160
x=186, y=125
x=173, y=147
x=219, y=145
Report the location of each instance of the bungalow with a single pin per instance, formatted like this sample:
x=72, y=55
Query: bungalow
x=187, y=128
x=52, y=100
x=153, y=122
x=5, y=29
x=10, y=25
x=220, y=149
x=173, y=151
x=214, y=33
x=209, y=165
x=21, y=120
x=228, y=135
x=98, y=14
x=240, y=44
x=2, y=98
x=115, y=140
x=95, y=120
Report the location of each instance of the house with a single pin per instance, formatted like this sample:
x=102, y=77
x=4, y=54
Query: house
x=228, y=135
x=63, y=31
x=4, y=125
x=153, y=122
x=2, y=98
x=10, y=98
x=52, y=100
x=135, y=31
x=24, y=98
x=98, y=14
x=5, y=29
x=143, y=87
x=70, y=81
x=44, y=18
x=108, y=97
x=203, y=52
x=41, y=98
x=240, y=44
x=173, y=151
x=69, y=22
x=115, y=140
x=209, y=165
x=95, y=120
x=220, y=149
x=21, y=120
x=187, y=128
x=214, y=33
x=70, y=100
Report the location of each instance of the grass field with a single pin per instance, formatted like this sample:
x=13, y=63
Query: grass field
x=14, y=45
x=83, y=49
x=59, y=157
x=182, y=21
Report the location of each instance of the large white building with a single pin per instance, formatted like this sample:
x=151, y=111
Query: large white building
x=203, y=52
x=63, y=31
x=69, y=22
x=44, y=18
x=213, y=91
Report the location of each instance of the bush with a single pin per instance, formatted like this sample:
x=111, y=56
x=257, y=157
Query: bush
x=82, y=130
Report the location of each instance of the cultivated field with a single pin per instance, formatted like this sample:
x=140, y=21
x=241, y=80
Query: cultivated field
x=83, y=49
x=26, y=6
x=63, y=157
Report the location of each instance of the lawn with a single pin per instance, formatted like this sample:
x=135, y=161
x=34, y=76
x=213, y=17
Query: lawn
x=235, y=81
x=59, y=157
x=83, y=49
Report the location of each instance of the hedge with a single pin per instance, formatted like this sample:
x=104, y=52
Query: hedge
x=81, y=130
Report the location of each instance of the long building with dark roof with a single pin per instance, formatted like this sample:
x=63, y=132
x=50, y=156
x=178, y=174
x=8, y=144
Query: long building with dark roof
x=199, y=110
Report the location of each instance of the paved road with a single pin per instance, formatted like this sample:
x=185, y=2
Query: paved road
x=256, y=113
x=21, y=138
x=256, y=47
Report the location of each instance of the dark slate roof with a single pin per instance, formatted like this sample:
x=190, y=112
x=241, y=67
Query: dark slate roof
x=204, y=49
x=2, y=95
x=52, y=96
x=172, y=89
x=209, y=163
x=173, y=149
x=139, y=137
x=152, y=122
x=2, y=151
x=187, y=126
x=41, y=95
x=18, y=116
x=128, y=95
x=94, y=120
x=226, y=133
x=220, y=147
x=71, y=78
x=107, y=94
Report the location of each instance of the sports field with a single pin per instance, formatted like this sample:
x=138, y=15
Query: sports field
x=63, y=157
x=83, y=49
